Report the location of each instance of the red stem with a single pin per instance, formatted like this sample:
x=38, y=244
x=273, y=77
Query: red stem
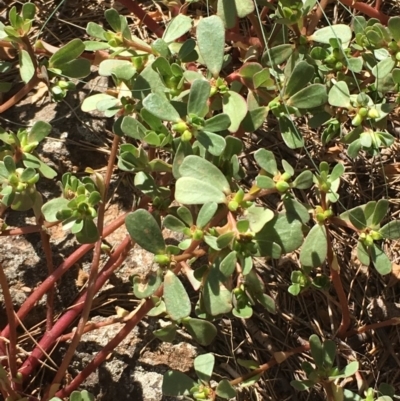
x=12, y=348
x=50, y=337
x=57, y=274
x=367, y=10
x=144, y=17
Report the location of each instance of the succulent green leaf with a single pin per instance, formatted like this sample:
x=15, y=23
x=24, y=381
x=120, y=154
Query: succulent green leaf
x=217, y=123
x=363, y=254
x=91, y=103
x=177, y=301
x=226, y=10
x=52, y=207
x=144, y=230
x=213, y=143
x=158, y=105
x=184, y=149
x=264, y=182
x=176, y=383
x=391, y=230
x=307, y=98
x=382, y=263
x=88, y=234
x=235, y=107
x=339, y=95
x=144, y=288
x=185, y=215
x=26, y=67
x=339, y=31
x=211, y=42
x=201, y=330
x=216, y=297
x=225, y=390
x=9, y=164
x=228, y=264
x=383, y=68
x=290, y=133
x=317, y=350
x=79, y=68
x=167, y=333
x=281, y=235
x=314, y=250
x=329, y=348
x=380, y=211
x=67, y=53
x=296, y=210
x=348, y=371
x=132, y=127
x=206, y=213
x=301, y=75
x=197, y=167
x=394, y=27
x=28, y=11
x=277, y=55
x=95, y=30
x=39, y=131
x=174, y=224
x=357, y=218
x=304, y=180
x=193, y=191
x=198, y=97
x=254, y=119
x=110, y=66
x=113, y=18
x=258, y=216
x=178, y=26
x=204, y=366
x=266, y=160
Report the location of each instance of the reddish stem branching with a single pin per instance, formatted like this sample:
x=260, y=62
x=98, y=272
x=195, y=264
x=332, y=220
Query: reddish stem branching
x=12, y=343
x=58, y=273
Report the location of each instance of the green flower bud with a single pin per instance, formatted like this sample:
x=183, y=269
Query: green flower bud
x=186, y=136
x=239, y=196
x=339, y=66
x=373, y=113
x=363, y=111
x=375, y=235
x=320, y=217
x=197, y=235
x=398, y=56
x=162, y=260
x=328, y=214
x=13, y=179
x=325, y=187
x=282, y=186
x=285, y=176
x=180, y=127
x=213, y=91
x=368, y=241
x=393, y=46
x=357, y=120
x=233, y=205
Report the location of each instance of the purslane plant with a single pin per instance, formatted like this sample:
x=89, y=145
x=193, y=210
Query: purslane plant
x=178, y=130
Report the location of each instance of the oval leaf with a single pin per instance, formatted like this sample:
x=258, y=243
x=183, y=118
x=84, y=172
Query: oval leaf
x=144, y=230
x=315, y=247
x=235, y=107
x=211, y=42
x=177, y=301
x=67, y=53
x=158, y=105
x=177, y=28
x=312, y=96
